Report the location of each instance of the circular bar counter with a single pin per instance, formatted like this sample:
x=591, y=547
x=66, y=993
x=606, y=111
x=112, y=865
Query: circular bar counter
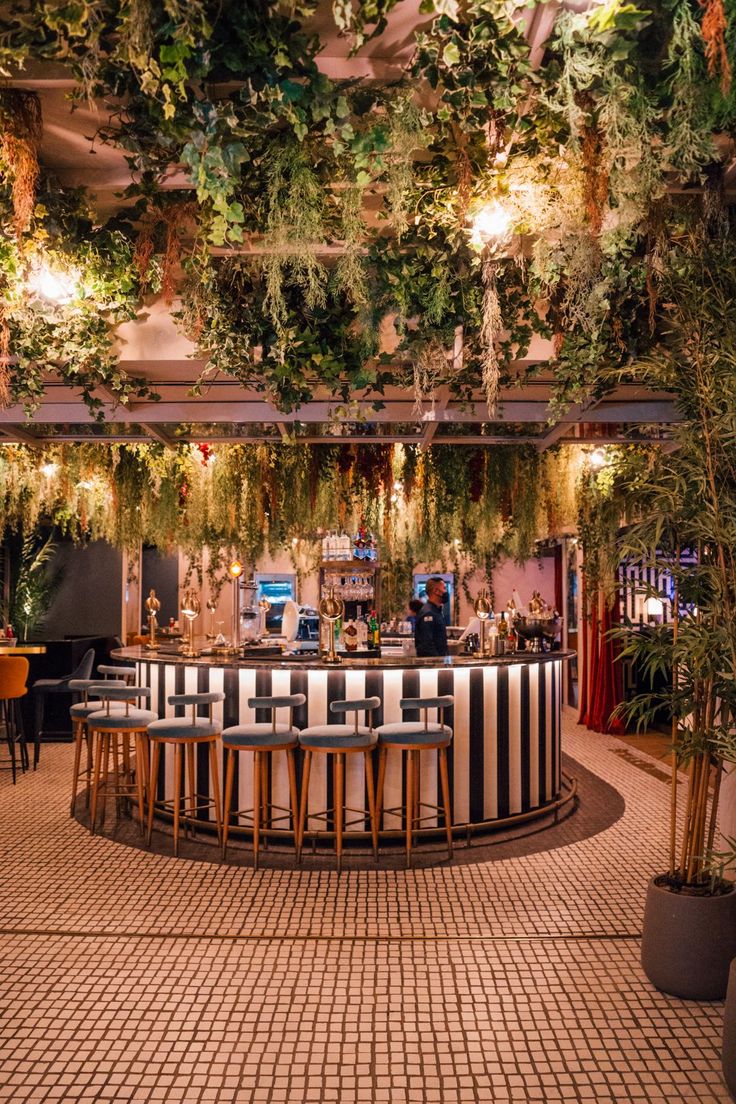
x=504, y=760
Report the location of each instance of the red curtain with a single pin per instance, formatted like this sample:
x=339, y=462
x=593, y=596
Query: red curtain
x=601, y=681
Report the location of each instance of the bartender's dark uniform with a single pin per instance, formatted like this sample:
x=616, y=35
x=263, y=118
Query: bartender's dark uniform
x=430, y=634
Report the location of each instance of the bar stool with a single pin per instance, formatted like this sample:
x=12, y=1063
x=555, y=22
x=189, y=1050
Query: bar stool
x=13, y=679
x=184, y=733
x=413, y=737
x=110, y=730
x=110, y=670
x=263, y=739
x=79, y=712
x=340, y=740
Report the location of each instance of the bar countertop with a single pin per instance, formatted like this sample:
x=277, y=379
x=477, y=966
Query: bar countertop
x=270, y=658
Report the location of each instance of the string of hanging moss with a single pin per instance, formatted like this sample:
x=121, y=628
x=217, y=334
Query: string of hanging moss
x=256, y=498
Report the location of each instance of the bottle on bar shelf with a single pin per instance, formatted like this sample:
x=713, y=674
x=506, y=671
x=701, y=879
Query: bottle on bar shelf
x=503, y=632
x=374, y=632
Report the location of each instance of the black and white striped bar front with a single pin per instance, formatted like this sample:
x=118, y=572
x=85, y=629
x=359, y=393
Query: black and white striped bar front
x=505, y=756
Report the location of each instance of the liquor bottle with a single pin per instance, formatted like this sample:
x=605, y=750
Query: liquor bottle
x=374, y=632
x=503, y=632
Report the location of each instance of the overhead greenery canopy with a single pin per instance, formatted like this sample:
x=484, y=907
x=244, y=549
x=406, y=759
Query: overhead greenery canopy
x=472, y=504
x=580, y=151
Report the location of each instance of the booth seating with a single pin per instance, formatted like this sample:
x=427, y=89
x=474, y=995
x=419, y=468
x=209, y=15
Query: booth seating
x=111, y=729
x=184, y=734
x=13, y=687
x=339, y=740
x=412, y=738
x=263, y=739
x=45, y=686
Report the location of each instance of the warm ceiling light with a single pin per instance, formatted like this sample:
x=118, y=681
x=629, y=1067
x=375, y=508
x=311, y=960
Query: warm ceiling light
x=491, y=223
x=56, y=285
x=598, y=458
x=236, y=569
x=49, y=469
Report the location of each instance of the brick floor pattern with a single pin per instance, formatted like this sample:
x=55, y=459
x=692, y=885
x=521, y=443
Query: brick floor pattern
x=128, y=976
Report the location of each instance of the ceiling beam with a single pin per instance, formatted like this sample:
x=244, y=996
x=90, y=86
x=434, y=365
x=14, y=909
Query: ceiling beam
x=15, y=434
x=560, y=428
x=157, y=434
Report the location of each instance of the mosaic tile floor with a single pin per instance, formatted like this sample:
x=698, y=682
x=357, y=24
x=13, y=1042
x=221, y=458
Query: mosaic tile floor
x=127, y=976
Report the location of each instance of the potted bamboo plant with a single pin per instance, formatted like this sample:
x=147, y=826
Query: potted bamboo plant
x=685, y=530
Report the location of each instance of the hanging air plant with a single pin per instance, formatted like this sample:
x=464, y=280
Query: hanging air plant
x=20, y=116
x=714, y=27
x=490, y=330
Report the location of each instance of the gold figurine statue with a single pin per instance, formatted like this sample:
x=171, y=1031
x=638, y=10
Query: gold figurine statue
x=153, y=606
x=483, y=610
x=331, y=609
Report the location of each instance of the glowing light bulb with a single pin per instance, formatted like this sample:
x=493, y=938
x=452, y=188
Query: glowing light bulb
x=598, y=458
x=49, y=469
x=491, y=223
x=236, y=569
x=56, y=285
x=398, y=485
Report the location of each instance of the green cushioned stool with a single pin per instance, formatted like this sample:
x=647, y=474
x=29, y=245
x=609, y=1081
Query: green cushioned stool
x=184, y=733
x=340, y=740
x=264, y=739
x=412, y=738
x=111, y=729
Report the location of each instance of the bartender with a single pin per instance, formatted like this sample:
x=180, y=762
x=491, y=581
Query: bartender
x=430, y=634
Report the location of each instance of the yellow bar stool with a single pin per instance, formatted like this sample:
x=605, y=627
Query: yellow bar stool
x=339, y=740
x=13, y=686
x=263, y=739
x=412, y=738
x=184, y=734
x=111, y=729
x=79, y=712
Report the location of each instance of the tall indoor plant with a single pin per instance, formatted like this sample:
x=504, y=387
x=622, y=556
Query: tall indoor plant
x=685, y=527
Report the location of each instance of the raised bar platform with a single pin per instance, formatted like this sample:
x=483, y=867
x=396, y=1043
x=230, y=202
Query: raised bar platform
x=504, y=760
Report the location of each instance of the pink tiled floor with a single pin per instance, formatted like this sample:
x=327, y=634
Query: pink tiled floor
x=137, y=977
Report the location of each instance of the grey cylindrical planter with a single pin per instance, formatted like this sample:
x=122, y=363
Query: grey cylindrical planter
x=688, y=942
x=729, y=1033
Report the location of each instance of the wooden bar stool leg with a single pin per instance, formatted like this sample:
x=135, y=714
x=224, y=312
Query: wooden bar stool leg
x=291, y=764
x=265, y=810
x=96, y=781
x=409, y=804
x=445, y=782
x=304, y=801
x=371, y=801
x=257, y=777
x=192, y=792
x=417, y=791
x=152, y=787
x=339, y=785
x=177, y=795
x=105, y=780
x=21, y=731
x=90, y=741
x=215, y=783
x=9, y=737
x=140, y=779
x=382, y=753
x=229, y=778
x=78, y=729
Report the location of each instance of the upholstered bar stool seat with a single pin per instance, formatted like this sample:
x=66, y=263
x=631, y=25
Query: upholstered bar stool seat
x=13, y=687
x=412, y=738
x=184, y=733
x=340, y=740
x=116, y=671
x=263, y=739
x=79, y=712
x=111, y=729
